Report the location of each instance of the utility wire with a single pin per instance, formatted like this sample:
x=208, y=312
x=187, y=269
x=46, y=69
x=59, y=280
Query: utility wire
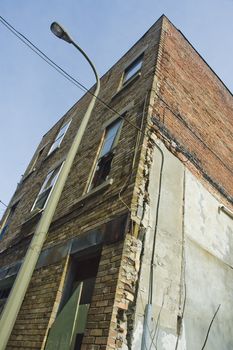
x=60, y=70
x=181, y=119
x=38, y=52
x=3, y=203
x=210, y=325
x=81, y=86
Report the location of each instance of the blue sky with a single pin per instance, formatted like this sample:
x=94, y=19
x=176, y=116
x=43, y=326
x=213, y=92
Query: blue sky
x=33, y=96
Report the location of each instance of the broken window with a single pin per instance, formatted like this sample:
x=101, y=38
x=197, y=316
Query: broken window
x=58, y=140
x=68, y=329
x=46, y=188
x=103, y=166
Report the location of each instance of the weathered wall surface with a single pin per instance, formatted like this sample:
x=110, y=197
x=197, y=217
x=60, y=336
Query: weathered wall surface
x=164, y=224
x=193, y=264
x=117, y=275
x=107, y=203
x=194, y=111
x=208, y=273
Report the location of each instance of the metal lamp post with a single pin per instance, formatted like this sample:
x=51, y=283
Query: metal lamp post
x=22, y=281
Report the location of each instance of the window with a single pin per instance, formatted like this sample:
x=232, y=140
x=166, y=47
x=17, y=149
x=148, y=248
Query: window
x=68, y=329
x=8, y=219
x=4, y=293
x=59, y=137
x=133, y=69
x=46, y=188
x=106, y=154
x=5, y=288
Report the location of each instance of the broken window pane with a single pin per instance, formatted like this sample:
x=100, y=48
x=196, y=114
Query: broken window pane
x=109, y=138
x=104, y=161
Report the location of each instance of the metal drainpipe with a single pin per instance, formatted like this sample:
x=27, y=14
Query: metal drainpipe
x=146, y=337
x=22, y=281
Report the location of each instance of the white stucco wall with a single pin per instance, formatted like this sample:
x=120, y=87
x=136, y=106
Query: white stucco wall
x=168, y=252
x=193, y=262
x=209, y=269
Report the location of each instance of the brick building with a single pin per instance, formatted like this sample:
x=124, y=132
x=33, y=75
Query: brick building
x=139, y=252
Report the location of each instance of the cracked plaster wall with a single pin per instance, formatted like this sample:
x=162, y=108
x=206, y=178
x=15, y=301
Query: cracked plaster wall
x=209, y=269
x=168, y=250
x=193, y=261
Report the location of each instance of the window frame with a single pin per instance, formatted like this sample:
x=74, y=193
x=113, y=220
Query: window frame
x=6, y=222
x=129, y=67
x=53, y=148
x=78, y=281
x=43, y=188
x=112, y=121
x=6, y=285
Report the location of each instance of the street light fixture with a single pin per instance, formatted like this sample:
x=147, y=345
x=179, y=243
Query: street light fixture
x=22, y=281
x=60, y=32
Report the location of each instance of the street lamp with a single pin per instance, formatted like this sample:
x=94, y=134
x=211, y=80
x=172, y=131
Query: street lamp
x=60, y=32
x=22, y=281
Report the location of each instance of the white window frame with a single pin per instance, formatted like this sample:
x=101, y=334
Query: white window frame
x=59, y=138
x=49, y=189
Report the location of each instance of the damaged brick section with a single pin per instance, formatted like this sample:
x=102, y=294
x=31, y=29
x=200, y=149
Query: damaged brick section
x=141, y=199
x=123, y=309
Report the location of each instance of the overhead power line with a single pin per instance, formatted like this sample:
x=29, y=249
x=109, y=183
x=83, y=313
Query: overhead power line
x=3, y=203
x=74, y=81
x=60, y=70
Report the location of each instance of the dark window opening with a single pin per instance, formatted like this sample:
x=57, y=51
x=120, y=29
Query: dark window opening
x=8, y=220
x=68, y=329
x=5, y=288
x=102, y=170
x=4, y=293
x=104, y=162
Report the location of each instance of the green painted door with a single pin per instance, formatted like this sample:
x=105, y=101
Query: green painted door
x=63, y=331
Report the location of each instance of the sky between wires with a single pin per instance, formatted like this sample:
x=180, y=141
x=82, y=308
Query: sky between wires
x=33, y=96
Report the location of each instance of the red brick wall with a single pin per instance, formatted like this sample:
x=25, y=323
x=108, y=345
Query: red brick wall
x=194, y=110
